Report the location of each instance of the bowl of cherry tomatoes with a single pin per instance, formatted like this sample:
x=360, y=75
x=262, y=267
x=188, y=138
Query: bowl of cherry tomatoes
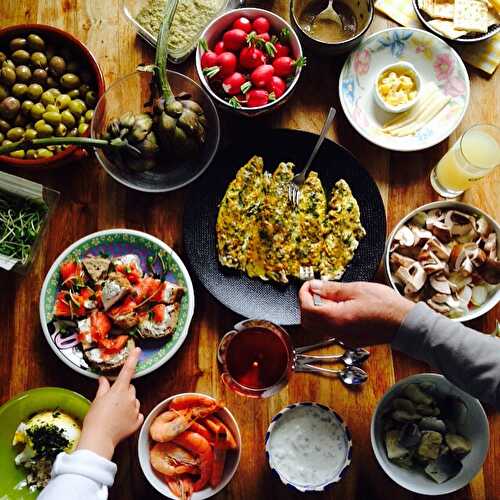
x=249, y=61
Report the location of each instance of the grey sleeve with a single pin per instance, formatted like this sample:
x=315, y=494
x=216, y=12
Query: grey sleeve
x=469, y=359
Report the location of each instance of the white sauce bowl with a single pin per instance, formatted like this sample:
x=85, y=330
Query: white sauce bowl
x=282, y=422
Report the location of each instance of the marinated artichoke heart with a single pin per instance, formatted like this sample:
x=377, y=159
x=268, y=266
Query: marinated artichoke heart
x=415, y=438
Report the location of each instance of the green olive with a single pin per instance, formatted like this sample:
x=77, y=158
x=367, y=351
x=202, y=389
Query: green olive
x=72, y=133
x=3, y=92
x=89, y=115
x=23, y=73
x=73, y=67
x=67, y=118
x=69, y=81
x=20, y=121
x=84, y=88
x=55, y=92
x=30, y=134
x=2, y=137
x=47, y=98
x=19, y=89
x=81, y=119
x=6, y=142
x=8, y=64
x=26, y=107
x=77, y=107
x=44, y=153
x=19, y=153
x=9, y=107
x=20, y=56
x=44, y=129
x=62, y=101
x=52, y=117
x=31, y=154
x=91, y=99
x=35, y=42
x=4, y=126
x=37, y=110
x=82, y=128
x=52, y=82
x=52, y=108
x=17, y=44
x=39, y=60
x=7, y=76
x=35, y=90
x=61, y=130
x=74, y=94
x=15, y=134
x=57, y=66
x=39, y=76
x=3, y=57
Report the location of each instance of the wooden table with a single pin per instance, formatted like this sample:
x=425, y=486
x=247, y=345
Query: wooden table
x=91, y=201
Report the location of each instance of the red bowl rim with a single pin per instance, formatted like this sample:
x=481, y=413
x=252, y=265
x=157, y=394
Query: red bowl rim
x=97, y=73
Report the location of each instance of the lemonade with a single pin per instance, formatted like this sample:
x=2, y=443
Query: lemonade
x=472, y=157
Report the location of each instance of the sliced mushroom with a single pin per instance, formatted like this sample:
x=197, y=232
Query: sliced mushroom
x=467, y=237
x=434, y=216
x=440, y=283
x=430, y=262
x=490, y=271
x=490, y=246
x=459, y=223
x=459, y=256
x=464, y=295
x=401, y=260
x=483, y=226
x=413, y=277
x=458, y=281
x=421, y=235
x=477, y=257
x=479, y=295
x=405, y=236
x=442, y=231
x=440, y=308
x=441, y=250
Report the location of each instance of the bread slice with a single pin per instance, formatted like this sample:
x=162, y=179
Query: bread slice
x=97, y=267
x=150, y=328
x=94, y=357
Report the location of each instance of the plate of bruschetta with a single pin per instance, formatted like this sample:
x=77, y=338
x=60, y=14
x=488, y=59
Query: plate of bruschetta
x=111, y=291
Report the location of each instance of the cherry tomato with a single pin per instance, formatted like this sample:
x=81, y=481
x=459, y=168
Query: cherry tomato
x=281, y=50
x=227, y=62
x=243, y=23
x=219, y=47
x=265, y=37
x=232, y=84
x=277, y=86
x=208, y=59
x=251, y=57
x=256, y=98
x=234, y=39
x=283, y=66
x=262, y=75
x=261, y=24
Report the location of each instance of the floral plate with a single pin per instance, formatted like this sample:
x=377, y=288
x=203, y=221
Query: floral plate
x=115, y=242
x=433, y=59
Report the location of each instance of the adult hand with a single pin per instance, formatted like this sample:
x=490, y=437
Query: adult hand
x=114, y=413
x=359, y=314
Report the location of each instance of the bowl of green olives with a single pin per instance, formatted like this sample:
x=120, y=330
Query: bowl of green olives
x=50, y=84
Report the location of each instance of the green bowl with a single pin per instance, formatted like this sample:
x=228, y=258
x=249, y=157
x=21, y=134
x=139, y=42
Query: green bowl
x=19, y=409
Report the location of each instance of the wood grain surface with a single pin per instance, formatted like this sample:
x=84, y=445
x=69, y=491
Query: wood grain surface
x=91, y=201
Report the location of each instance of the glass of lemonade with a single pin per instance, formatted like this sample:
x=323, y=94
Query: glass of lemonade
x=473, y=156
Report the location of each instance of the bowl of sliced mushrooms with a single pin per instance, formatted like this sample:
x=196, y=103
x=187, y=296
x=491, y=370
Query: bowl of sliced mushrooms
x=446, y=254
x=429, y=436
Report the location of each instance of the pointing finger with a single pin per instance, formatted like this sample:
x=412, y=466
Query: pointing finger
x=128, y=369
x=103, y=387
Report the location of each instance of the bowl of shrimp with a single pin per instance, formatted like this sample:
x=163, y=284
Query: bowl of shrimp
x=189, y=446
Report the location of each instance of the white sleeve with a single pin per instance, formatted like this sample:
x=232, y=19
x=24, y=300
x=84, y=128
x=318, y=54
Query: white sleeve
x=82, y=475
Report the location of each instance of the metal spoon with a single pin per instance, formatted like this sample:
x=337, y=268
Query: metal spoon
x=350, y=357
x=329, y=14
x=351, y=375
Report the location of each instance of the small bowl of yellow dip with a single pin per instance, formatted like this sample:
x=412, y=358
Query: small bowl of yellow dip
x=397, y=87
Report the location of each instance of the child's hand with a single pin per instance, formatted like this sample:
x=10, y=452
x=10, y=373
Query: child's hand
x=114, y=413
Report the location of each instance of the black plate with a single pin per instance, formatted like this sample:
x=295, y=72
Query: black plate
x=254, y=298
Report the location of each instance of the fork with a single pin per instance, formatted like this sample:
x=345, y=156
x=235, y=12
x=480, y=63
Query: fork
x=306, y=273
x=299, y=179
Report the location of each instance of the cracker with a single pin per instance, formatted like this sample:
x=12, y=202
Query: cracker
x=471, y=15
x=442, y=9
x=447, y=28
x=493, y=17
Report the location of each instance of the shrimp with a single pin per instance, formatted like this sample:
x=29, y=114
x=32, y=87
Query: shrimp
x=202, y=431
x=172, y=460
x=171, y=423
x=217, y=426
x=200, y=447
x=191, y=401
x=220, y=451
x=180, y=486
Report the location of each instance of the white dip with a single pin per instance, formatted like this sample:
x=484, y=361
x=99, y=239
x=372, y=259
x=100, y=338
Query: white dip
x=307, y=446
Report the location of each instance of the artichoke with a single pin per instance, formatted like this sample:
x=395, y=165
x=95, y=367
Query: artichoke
x=180, y=121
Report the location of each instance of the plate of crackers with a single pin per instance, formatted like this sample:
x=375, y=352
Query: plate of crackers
x=460, y=20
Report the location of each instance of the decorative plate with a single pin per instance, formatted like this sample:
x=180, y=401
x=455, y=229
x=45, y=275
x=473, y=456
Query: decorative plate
x=254, y=298
x=115, y=242
x=19, y=409
x=432, y=58
x=337, y=475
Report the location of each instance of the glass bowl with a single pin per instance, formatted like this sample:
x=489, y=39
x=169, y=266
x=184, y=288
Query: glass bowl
x=131, y=93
